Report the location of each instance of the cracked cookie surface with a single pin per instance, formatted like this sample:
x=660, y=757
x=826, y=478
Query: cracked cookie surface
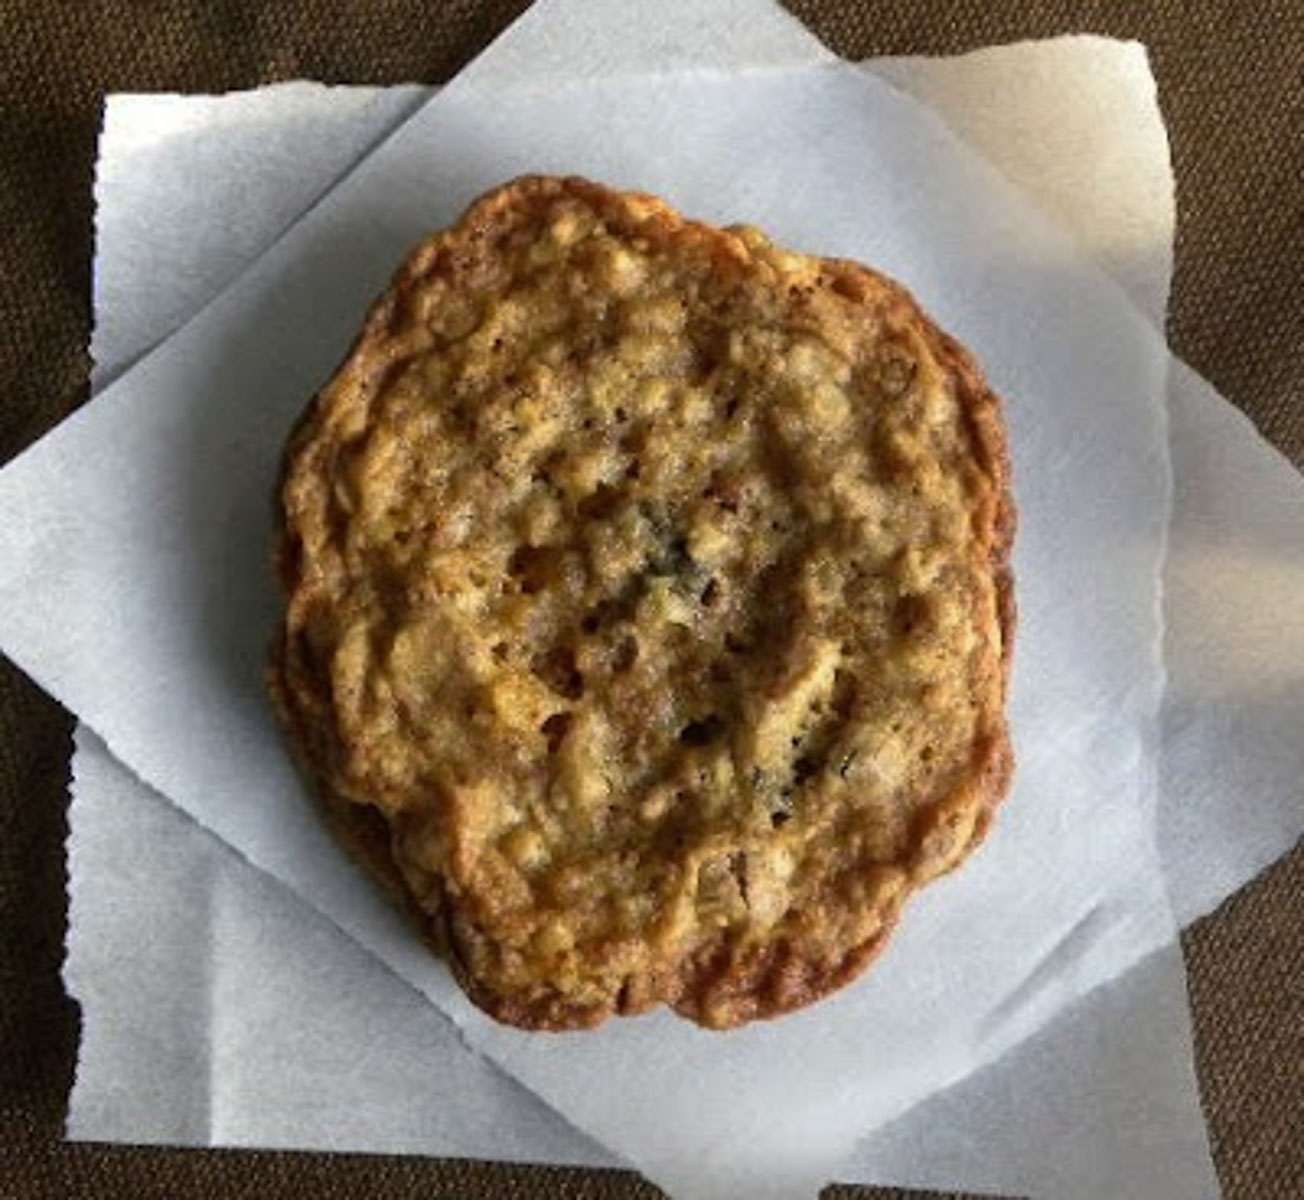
x=648, y=607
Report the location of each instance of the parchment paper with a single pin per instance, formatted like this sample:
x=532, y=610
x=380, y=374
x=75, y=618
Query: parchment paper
x=1132, y=1120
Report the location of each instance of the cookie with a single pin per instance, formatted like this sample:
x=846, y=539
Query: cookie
x=648, y=607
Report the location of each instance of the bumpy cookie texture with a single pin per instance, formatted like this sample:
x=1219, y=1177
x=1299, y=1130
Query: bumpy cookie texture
x=649, y=609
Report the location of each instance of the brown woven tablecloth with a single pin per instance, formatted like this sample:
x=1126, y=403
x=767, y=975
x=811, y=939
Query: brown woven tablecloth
x=1231, y=83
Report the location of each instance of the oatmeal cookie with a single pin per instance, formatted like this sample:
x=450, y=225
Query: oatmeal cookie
x=649, y=609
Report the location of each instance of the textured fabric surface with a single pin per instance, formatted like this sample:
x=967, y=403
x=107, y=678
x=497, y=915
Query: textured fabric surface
x=1233, y=93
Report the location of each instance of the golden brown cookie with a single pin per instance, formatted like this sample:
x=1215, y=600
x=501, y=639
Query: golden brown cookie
x=648, y=607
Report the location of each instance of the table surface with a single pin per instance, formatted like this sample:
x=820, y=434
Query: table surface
x=1232, y=90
